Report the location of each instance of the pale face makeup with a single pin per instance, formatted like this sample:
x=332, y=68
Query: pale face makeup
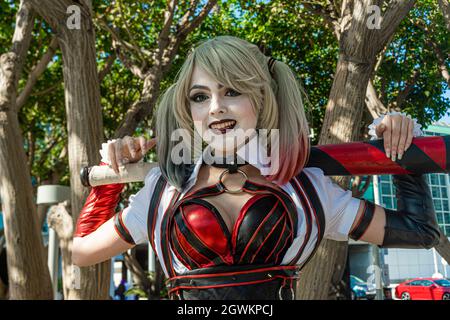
x=232, y=111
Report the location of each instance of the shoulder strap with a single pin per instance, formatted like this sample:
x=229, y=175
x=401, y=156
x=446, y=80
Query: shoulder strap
x=305, y=189
x=153, y=209
x=315, y=200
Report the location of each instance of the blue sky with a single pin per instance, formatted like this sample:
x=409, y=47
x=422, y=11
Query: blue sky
x=446, y=118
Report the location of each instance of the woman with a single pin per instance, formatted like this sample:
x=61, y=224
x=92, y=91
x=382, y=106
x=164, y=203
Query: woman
x=237, y=229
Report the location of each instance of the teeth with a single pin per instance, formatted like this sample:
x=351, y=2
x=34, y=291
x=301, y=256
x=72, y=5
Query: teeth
x=223, y=125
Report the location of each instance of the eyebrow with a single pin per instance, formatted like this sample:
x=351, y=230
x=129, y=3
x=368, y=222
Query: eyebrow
x=197, y=86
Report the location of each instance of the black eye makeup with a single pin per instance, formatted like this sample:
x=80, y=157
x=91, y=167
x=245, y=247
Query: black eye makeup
x=194, y=97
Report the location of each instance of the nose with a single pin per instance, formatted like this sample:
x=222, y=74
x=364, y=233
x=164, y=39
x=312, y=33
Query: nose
x=216, y=106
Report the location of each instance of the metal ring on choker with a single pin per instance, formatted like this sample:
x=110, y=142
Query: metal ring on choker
x=224, y=187
x=291, y=292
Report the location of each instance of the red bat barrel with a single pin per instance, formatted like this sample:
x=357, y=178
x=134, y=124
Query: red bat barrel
x=425, y=155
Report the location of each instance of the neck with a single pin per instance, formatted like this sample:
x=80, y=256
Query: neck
x=211, y=173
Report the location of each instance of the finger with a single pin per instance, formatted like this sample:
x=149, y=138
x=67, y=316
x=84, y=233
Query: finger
x=387, y=136
x=410, y=134
x=131, y=147
x=142, y=142
x=380, y=129
x=395, y=138
x=118, y=150
x=150, y=144
x=112, y=157
x=403, y=137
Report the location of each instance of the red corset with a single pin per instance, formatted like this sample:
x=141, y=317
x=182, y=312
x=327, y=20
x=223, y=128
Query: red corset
x=262, y=233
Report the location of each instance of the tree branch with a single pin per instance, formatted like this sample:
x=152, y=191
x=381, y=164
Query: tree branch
x=403, y=94
x=445, y=8
x=189, y=26
x=51, y=145
x=139, y=51
x=394, y=14
x=22, y=35
x=439, y=54
x=163, y=38
x=143, y=108
x=127, y=62
x=133, y=49
x=107, y=68
x=49, y=89
x=189, y=13
x=12, y=62
x=37, y=71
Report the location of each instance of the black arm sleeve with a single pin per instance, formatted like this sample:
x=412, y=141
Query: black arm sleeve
x=414, y=223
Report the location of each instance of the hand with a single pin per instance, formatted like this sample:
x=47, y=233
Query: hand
x=128, y=150
x=397, y=132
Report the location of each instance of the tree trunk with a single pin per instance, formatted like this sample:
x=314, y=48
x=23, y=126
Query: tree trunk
x=140, y=276
x=84, y=117
x=60, y=220
x=359, y=46
x=340, y=125
x=27, y=271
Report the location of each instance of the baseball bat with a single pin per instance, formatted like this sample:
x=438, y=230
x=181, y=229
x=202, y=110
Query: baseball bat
x=425, y=155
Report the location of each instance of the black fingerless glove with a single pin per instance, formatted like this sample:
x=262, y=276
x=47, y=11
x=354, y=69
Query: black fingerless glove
x=414, y=223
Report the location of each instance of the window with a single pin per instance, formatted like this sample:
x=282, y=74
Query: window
x=445, y=205
x=439, y=184
x=443, y=282
x=387, y=202
x=444, y=192
x=415, y=283
x=385, y=188
x=440, y=218
x=426, y=283
x=447, y=230
x=387, y=192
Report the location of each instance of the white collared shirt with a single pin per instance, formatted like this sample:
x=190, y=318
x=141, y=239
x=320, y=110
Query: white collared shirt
x=340, y=209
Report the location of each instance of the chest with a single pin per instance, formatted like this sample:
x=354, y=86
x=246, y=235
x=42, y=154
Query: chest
x=230, y=206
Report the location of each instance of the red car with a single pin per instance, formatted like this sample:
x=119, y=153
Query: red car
x=423, y=289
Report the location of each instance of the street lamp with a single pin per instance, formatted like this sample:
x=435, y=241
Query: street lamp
x=51, y=195
x=375, y=249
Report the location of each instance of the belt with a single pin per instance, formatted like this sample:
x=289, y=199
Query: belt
x=235, y=283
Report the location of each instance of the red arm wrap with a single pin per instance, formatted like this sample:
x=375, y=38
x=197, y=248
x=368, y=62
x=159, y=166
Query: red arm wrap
x=99, y=207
